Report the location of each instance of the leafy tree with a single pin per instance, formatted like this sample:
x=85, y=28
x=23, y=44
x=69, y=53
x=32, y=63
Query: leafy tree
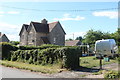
x=79, y=38
x=92, y=36
x=116, y=36
x=107, y=36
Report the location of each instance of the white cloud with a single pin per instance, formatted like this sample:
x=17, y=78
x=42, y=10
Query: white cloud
x=13, y=12
x=74, y=35
x=67, y=17
x=109, y=14
x=10, y=30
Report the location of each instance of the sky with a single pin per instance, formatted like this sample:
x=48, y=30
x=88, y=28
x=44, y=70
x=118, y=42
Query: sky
x=76, y=18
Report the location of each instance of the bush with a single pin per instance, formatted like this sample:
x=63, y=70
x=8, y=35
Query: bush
x=67, y=56
x=14, y=42
x=71, y=57
x=6, y=48
x=112, y=75
x=44, y=46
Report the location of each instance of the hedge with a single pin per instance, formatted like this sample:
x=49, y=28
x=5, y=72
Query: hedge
x=44, y=46
x=6, y=48
x=68, y=56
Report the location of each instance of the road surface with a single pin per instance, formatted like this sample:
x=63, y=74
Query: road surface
x=8, y=72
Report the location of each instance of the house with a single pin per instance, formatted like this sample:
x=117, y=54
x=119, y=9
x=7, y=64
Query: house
x=73, y=43
x=37, y=33
x=3, y=38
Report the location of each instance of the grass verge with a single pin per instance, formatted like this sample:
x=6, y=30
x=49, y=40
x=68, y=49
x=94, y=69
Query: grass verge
x=35, y=68
x=91, y=61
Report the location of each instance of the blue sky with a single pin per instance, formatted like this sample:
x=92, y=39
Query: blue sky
x=75, y=17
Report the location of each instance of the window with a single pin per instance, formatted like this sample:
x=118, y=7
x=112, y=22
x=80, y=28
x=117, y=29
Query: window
x=33, y=40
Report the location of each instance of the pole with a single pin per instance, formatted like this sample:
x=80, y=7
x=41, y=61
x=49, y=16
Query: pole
x=100, y=61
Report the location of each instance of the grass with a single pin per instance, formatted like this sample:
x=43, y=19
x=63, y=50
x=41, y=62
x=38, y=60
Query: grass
x=99, y=72
x=35, y=68
x=88, y=62
x=91, y=61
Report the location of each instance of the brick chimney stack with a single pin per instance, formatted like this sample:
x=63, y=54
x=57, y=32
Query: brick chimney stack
x=44, y=21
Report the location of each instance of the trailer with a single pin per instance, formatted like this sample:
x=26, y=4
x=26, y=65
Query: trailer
x=105, y=47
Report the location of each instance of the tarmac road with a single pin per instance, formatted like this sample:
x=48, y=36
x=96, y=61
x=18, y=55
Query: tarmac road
x=8, y=72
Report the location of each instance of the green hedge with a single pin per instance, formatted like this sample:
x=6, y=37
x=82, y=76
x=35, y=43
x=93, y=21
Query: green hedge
x=44, y=46
x=46, y=54
x=6, y=48
x=67, y=56
x=71, y=57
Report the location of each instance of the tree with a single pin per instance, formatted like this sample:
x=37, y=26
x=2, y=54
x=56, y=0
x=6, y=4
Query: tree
x=92, y=36
x=79, y=38
x=107, y=36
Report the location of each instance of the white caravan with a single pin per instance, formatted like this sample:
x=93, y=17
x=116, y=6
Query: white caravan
x=105, y=47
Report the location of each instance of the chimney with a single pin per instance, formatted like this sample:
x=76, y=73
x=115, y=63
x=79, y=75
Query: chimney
x=44, y=21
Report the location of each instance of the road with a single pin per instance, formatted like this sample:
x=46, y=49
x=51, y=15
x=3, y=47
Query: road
x=8, y=72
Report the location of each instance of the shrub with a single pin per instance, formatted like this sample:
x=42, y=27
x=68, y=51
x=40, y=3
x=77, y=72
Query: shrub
x=6, y=48
x=44, y=46
x=71, y=57
x=67, y=56
x=112, y=75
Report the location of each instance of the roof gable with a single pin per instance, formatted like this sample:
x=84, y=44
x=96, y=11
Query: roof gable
x=24, y=26
x=5, y=37
x=53, y=25
x=39, y=27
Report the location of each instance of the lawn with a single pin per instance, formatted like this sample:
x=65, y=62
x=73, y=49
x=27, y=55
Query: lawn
x=35, y=68
x=91, y=61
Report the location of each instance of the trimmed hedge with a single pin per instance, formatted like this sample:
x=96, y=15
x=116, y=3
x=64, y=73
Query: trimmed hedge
x=6, y=48
x=44, y=46
x=71, y=57
x=67, y=56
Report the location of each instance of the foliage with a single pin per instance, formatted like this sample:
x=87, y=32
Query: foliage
x=68, y=56
x=93, y=36
x=6, y=48
x=44, y=46
x=111, y=75
x=79, y=38
x=71, y=57
x=14, y=42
